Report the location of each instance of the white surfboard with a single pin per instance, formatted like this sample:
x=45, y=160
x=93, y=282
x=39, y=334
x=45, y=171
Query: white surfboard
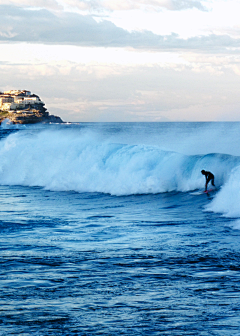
x=200, y=192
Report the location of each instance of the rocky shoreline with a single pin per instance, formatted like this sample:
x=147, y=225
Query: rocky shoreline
x=31, y=116
x=28, y=109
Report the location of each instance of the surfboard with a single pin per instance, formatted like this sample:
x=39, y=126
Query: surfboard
x=208, y=191
x=200, y=192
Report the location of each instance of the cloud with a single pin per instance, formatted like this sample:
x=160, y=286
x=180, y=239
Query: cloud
x=187, y=4
x=115, y=5
x=51, y=4
x=43, y=26
x=109, y=5
x=110, y=92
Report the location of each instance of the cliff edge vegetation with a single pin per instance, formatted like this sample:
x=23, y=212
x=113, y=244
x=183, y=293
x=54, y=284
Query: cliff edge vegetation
x=23, y=107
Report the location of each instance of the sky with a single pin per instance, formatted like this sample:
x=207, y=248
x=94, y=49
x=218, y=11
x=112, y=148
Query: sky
x=124, y=60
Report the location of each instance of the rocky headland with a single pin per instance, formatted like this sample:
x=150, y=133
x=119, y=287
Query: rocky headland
x=23, y=107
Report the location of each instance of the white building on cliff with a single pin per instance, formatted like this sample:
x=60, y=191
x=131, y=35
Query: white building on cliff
x=18, y=99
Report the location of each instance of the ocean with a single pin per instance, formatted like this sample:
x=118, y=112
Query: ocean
x=102, y=232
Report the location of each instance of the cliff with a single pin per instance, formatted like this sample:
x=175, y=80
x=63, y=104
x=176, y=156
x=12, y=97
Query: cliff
x=31, y=116
x=21, y=108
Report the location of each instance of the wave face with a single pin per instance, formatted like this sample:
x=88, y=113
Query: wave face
x=228, y=198
x=84, y=160
x=126, y=159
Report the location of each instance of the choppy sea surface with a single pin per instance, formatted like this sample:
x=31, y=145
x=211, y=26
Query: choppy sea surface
x=102, y=232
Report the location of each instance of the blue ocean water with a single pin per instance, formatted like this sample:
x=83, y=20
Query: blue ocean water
x=102, y=233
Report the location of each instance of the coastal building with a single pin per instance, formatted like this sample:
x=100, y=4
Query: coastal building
x=9, y=106
x=16, y=92
x=27, y=100
x=13, y=100
x=6, y=99
x=23, y=107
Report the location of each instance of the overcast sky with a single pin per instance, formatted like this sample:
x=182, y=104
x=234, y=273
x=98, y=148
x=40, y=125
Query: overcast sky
x=125, y=60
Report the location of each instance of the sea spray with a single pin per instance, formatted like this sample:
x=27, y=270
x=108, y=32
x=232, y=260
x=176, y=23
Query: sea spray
x=228, y=198
x=63, y=160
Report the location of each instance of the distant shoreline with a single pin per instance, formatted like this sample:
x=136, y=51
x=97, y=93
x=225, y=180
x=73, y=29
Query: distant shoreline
x=29, y=118
x=23, y=107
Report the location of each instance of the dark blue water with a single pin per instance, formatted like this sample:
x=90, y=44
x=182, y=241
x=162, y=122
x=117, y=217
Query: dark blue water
x=91, y=263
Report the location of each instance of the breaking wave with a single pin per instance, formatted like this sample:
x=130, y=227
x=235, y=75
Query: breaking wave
x=228, y=198
x=64, y=160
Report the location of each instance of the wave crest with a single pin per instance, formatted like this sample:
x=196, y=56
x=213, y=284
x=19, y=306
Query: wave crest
x=69, y=160
x=228, y=198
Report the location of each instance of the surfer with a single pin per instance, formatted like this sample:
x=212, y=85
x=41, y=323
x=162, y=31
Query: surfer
x=209, y=177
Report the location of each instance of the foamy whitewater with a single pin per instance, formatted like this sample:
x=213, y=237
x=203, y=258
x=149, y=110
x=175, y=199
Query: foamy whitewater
x=75, y=194
x=126, y=159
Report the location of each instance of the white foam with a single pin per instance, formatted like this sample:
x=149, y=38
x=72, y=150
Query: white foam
x=236, y=225
x=227, y=201
x=6, y=124
x=85, y=161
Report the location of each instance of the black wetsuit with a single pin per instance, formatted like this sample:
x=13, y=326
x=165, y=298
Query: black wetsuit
x=209, y=177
